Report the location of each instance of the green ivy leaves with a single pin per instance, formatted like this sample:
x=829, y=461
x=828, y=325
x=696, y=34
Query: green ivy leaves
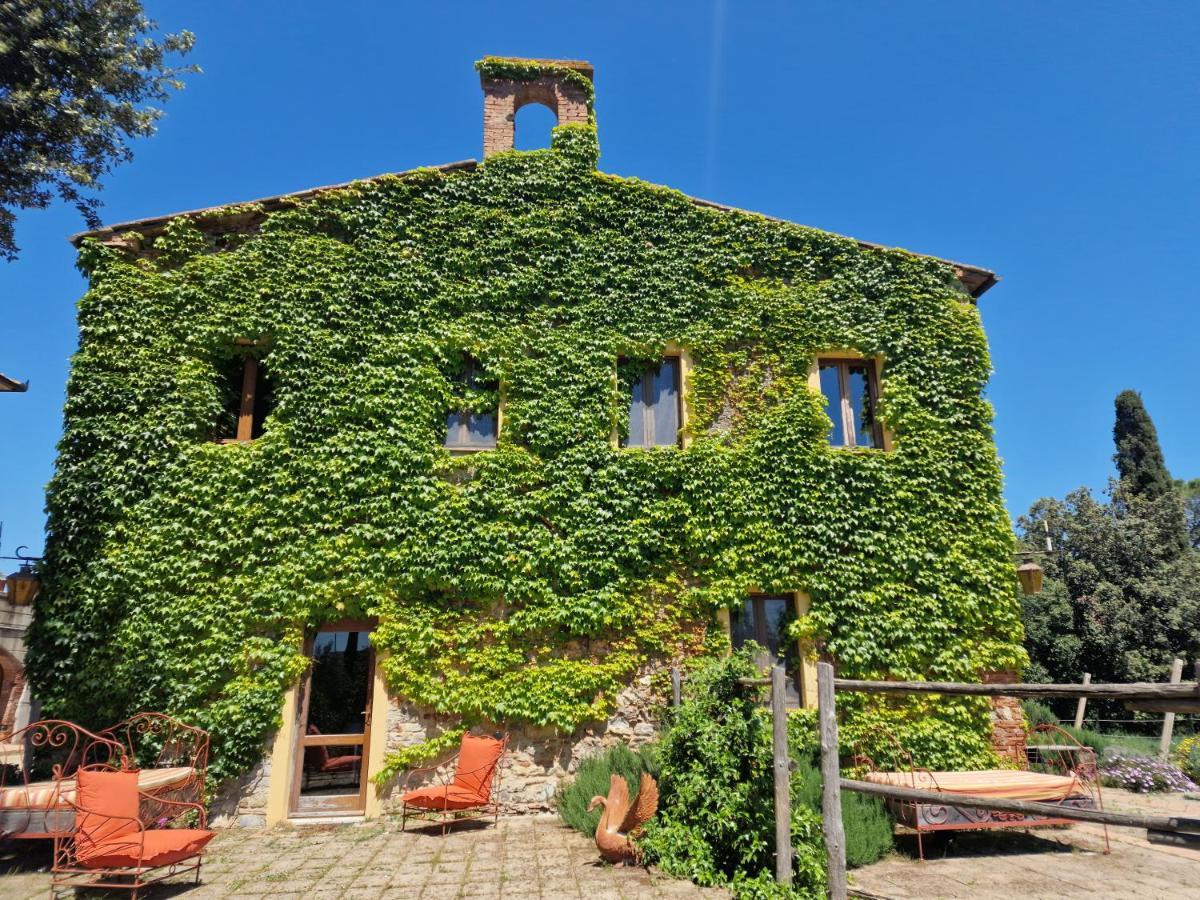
x=529, y=583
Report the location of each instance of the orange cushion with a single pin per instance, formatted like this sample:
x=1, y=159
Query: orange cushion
x=60, y=794
x=338, y=763
x=443, y=797
x=477, y=758
x=159, y=847
x=109, y=808
x=317, y=755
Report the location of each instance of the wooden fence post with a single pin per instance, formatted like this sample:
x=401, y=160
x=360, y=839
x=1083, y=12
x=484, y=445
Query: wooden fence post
x=676, y=687
x=831, y=792
x=1164, y=743
x=783, y=778
x=1081, y=706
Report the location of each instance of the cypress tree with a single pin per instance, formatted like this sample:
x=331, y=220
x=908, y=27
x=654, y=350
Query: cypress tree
x=1139, y=457
x=1123, y=595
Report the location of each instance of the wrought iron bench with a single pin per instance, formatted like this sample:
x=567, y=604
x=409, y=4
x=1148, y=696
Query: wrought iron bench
x=39, y=762
x=1061, y=771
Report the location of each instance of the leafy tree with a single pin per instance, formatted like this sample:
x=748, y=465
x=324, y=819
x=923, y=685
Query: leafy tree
x=75, y=77
x=1122, y=598
x=1143, y=470
x=1139, y=457
x=1190, y=492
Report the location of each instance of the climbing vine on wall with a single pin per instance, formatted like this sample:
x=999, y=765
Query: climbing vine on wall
x=528, y=583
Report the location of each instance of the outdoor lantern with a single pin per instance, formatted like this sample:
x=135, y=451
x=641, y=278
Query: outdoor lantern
x=1029, y=574
x=23, y=585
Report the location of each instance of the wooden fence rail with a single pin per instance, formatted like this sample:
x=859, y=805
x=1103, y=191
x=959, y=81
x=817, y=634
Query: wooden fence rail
x=1027, y=807
x=1186, y=693
x=1174, y=830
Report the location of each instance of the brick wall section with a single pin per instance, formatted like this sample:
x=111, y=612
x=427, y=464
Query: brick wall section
x=1008, y=721
x=17, y=707
x=502, y=97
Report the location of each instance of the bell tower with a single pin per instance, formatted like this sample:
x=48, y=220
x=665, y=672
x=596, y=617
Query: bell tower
x=508, y=84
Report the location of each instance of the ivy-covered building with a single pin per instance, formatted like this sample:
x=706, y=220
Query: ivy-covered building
x=489, y=445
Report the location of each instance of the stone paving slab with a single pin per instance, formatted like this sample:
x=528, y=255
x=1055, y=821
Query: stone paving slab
x=531, y=857
x=1044, y=863
x=537, y=858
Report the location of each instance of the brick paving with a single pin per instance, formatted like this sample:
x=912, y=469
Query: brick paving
x=522, y=857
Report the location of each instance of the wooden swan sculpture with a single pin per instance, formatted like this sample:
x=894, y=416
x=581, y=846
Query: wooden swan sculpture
x=621, y=821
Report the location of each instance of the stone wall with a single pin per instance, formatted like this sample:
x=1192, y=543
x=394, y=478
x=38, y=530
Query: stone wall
x=538, y=760
x=243, y=801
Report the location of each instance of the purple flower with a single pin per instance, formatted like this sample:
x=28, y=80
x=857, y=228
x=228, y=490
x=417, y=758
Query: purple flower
x=1137, y=773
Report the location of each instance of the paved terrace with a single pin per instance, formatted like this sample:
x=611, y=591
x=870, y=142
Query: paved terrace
x=1046, y=863
x=536, y=857
x=522, y=857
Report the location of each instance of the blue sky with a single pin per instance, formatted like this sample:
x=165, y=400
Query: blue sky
x=1056, y=143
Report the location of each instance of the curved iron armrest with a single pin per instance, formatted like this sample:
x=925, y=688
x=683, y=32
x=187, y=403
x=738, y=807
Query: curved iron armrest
x=183, y=744
x=184, y=805
x=905, y=763
x=79, y=748
x=66, y=844
x=1085, y=763
x=436, y=770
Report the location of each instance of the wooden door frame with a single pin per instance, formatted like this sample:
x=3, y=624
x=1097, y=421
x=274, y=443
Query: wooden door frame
x=362, y=626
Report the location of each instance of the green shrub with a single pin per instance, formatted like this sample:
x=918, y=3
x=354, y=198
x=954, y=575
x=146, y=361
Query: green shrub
x=1187, y=757
x=866, y=821
x=715, y=822
x=1086, y=736
x=592, y=779
x=1038, y=713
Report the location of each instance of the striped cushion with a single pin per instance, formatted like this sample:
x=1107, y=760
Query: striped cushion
x=55, y=794
x=1013, y=784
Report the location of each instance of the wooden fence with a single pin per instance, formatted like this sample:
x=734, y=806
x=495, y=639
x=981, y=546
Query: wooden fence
x=1174, y=697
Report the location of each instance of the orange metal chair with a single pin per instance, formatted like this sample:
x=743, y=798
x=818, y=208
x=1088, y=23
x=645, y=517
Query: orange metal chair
x=473, y=792
x=112, y=847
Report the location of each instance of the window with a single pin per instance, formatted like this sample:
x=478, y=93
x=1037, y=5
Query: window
x=762, y=619
x=655, y=410
x=473, y=423
x=249, y=398
x=850, y=390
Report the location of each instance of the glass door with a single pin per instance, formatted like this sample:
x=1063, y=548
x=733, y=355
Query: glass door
x=762, y=619
x=335, y=717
